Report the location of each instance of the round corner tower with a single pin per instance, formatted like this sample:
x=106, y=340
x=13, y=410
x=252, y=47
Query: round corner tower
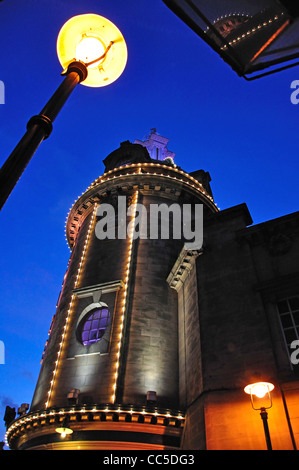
x=111, y=369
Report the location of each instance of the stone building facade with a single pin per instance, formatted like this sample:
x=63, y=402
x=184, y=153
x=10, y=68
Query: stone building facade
x=152, y=342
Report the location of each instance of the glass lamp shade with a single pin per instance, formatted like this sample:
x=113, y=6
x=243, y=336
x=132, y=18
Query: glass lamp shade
x=259, y=389
x=87, y=38
x=64, y=431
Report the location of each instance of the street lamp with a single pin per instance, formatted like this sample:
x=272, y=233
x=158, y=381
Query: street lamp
x=261, y=390
x=249, y=35
x=93, y=52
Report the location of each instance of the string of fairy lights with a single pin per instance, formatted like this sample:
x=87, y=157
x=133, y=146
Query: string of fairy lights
x=252, y=30
x=106, y=176
x=40, y=418
x=68, y=315
x=140, y=168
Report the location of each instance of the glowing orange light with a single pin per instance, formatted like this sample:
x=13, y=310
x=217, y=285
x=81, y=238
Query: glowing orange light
x=259, y=389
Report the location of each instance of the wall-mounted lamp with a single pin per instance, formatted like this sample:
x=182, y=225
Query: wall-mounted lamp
x=64, y=430
x=262, y=392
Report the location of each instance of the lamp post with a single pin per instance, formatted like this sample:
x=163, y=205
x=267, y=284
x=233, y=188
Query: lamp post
x=260, y=390
x=250, y=36
x=93, y=52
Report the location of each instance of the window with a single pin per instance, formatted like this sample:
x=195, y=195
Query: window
x=288, y=310
x=94, y=326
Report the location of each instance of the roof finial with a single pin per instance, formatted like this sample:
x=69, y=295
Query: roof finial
x=156, y=145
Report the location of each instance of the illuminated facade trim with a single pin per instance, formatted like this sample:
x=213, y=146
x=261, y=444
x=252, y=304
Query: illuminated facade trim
x=184, y=324
x=109, y=418
x=69, y=312
x=144, y=177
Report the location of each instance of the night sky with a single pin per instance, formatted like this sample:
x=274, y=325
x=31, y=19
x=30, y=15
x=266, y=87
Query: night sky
x=244, y=133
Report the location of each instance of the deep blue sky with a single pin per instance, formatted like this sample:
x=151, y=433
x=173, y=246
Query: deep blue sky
x=244, y=134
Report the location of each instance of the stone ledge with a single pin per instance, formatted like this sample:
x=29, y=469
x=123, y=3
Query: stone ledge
x=183, y=265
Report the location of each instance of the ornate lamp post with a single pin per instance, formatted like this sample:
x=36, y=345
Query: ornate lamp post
x=261, y=390
x=250, y=36
x=93, y=52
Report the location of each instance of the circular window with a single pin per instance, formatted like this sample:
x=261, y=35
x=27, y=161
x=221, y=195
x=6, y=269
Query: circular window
x=94, y=326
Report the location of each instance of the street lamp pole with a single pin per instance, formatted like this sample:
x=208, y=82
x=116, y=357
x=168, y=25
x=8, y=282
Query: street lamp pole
x=39, y=128
x=85, y=42
x=264, y=416
x=260, y=390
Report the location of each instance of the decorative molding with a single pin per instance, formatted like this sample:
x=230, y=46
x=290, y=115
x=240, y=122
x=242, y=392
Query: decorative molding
x=182, y=267
x=97, y=290
x=150, y=178
x=89, y=308
x=42, y=424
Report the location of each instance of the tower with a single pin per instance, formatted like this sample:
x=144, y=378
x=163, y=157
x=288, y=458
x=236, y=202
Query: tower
x=158, y=329
x=110, y=374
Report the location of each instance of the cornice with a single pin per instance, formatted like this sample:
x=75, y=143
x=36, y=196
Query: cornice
x=182, y=267
x=148, y=178
x=87, y=417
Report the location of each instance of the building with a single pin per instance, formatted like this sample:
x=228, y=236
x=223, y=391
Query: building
x=154, y=339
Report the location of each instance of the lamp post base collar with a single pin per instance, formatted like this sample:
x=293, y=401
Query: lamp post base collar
x=42, y=121
x=78, y=67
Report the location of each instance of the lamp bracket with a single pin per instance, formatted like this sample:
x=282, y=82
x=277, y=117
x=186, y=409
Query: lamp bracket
x=78, y=67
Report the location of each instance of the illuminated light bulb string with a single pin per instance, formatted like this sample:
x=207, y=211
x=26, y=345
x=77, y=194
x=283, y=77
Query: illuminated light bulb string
x=253, y=30
x=125, y=294
x=36, y=418
x=85, y=248
x=194, y=184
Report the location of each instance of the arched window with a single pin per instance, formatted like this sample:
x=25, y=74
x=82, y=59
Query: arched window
x=94, y=325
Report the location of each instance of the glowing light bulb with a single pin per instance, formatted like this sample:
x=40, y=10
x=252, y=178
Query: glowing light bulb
x=86, y=38
x=64, y=431
x=259, y=389
x=89, y=49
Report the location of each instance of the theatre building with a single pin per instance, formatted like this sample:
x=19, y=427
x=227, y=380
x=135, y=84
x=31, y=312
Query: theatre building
x=154, y=339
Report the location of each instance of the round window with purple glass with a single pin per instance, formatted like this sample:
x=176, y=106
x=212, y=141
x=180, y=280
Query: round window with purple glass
x=94, y=326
